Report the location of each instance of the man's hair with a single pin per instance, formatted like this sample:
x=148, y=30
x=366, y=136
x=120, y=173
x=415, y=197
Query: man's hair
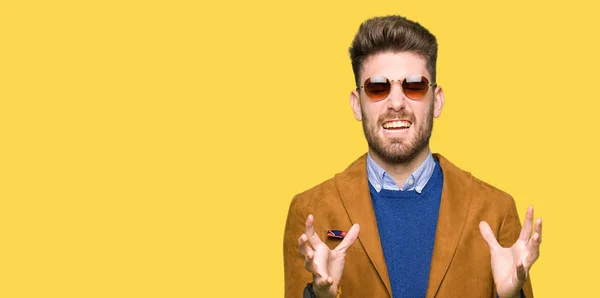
x=392, y=34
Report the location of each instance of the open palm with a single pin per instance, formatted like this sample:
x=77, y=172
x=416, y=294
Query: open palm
x=510, y=265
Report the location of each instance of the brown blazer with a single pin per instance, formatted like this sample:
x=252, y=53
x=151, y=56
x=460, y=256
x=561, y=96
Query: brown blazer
x=460, y=265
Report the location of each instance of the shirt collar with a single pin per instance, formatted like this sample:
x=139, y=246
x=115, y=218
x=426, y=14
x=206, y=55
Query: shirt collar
x=380, y=179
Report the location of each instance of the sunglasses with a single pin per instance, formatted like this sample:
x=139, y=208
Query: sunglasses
x=414, y=87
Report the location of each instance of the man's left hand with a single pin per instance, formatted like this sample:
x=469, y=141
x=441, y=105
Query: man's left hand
x=510, y=266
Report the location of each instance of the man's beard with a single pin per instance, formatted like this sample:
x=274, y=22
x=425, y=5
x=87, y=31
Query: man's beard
x=398, y=151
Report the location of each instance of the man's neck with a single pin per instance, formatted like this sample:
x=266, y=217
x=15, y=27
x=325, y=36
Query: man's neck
x=401, y=171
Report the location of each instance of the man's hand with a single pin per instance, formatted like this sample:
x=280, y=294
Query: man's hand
x=510, y=266
x=325, y=265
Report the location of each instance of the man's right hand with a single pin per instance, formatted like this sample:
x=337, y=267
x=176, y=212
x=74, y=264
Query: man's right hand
x=325, y=265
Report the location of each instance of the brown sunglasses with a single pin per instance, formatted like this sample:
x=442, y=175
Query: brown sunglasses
x=414, y=87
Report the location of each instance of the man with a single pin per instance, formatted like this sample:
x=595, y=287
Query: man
x=424, y=227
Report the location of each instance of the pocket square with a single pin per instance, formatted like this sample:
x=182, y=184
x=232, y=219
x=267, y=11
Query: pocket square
x=336, y=234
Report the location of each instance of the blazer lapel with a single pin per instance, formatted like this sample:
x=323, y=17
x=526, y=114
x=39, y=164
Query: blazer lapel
x=454, y=209
x=352, y=186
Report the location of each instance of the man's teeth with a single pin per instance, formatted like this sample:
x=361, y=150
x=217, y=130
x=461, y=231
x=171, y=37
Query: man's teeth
x=396, y=124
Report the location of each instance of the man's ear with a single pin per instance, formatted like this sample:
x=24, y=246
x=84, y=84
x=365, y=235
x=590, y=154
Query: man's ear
x=438, y=101
x=355, y=104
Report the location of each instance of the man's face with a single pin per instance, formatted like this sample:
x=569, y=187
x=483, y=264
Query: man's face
x=397, y=128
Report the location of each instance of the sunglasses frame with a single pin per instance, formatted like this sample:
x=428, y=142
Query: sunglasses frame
x=391, y=82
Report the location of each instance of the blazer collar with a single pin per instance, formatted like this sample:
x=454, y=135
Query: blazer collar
x=353, y=188
x=454, y=209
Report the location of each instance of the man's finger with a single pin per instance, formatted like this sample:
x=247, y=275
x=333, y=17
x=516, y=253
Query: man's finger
x=303, y=247
x=521, y=272
x=533, y=250
x=533, y=246
x=349, y=238
x=322, y=283
x=309, y=256
x=535, y=241
x=313, y=238
x=527, y=225
x=538, y=228
x=488, y=236
x=310, y=265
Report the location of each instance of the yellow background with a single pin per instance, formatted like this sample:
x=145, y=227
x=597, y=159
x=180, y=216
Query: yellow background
x=151, y=148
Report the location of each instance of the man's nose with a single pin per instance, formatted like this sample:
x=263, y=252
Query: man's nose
x=396, y=99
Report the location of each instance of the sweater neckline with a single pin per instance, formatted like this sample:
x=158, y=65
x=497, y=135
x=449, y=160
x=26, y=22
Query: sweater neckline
x=436, y=178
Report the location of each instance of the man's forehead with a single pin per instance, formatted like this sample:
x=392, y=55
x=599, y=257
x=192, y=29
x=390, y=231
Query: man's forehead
x=408, y=63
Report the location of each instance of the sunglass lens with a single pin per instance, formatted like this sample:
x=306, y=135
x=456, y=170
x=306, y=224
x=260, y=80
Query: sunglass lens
x=377, y=89
x=415, y=87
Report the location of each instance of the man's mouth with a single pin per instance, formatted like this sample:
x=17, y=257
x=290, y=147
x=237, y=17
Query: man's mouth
x=397, y=124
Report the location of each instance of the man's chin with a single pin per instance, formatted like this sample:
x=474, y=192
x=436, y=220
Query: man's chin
x=397, y=158
x=394, y=152
x=397, y=152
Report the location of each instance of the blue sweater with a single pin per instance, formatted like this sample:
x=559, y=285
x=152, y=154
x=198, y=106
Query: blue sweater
x=407, y=222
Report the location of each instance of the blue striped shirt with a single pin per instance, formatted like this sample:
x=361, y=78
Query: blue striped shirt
x=380, y=179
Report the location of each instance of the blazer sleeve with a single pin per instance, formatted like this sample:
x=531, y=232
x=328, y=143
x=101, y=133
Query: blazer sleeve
x=509, y=233
x=296, y=276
